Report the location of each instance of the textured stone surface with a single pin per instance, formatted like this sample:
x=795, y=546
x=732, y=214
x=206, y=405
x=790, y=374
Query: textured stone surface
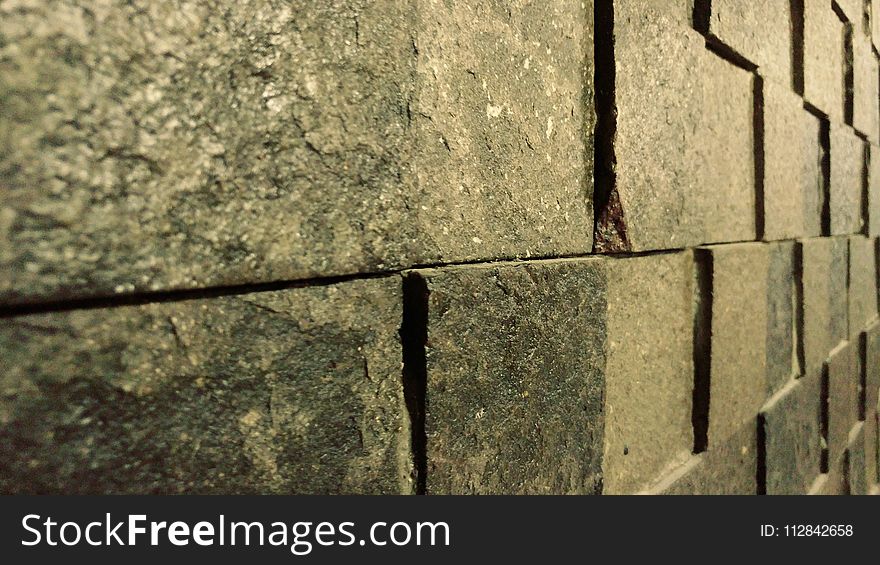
x=823, y=58
x=857, y=477
x=872, y=449
x=759, y=31
x=726, y=468
x=738, y=376
x=816, y=258
x=792, y=438
x=782, y=362
x=281, y=392
x=649, y=377
x=683, y=147
x=866, y=108
x=838, y=275
x=847, y=163
x=872, y=366
x=150, y=146
x=843, y=399
x=875, y=22
x=792, y=181
x=862, y=284
x=874, y=190
x=515, y=360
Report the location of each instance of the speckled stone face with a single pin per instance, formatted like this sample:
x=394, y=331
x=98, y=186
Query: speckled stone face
x=147, y=146
x=284, y=392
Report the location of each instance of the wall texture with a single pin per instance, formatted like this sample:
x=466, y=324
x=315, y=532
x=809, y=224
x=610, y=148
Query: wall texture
x=425, y=246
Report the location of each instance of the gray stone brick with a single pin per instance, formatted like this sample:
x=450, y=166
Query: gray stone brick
x=759, y=31
x=866, y=108
x=847, y=169
x=684, y=139
x=843, y=399
x=823, y=58
x=649, y=376
x=515, y=381
x=782, y=361
x=738, y=367
x=792, y=182
x=862, y=284
x=295, y=391
x=792, y=438
x=150, y=147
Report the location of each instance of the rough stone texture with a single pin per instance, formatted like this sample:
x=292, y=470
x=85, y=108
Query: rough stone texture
x=872, y=449
x=872, y=366
x=857, y=477
x=866, y=108
x=792, y=437
x=515, y=360
x=843, y=399
x=738, y=375
x=862, y=284
x=281, y=392
x=845, y=198
x=759, y=31
x=649, y=376
x=816, y=259
x=504, y=127
x=823, y=58
x=874, y=190
x=838, y=320
x=683, y=147
x=149, y=146
x=782, y=361
x=792, y=180
x=875, y=22
x=727, y=468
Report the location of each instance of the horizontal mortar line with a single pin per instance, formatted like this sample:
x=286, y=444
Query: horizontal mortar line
x=184, y=294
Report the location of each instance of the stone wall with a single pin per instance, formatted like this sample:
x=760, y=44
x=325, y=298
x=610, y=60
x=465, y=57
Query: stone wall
x=424, y=246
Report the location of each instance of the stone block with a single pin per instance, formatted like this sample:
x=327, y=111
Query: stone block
x=684, y=140
x=823, y=58
x=843, y=399
x=515, y=359
x=872, y=446
x=293, y=391
x=847, y=171
x=782, y=361
x=790, y=423
x=873, y=190
x=649, y=376
x=738, y=365
x=866, y=80
x=792, y=179
x=815, y=265
x=145, y=146
x=758, y=31
x=872, y=366
x=862, y=284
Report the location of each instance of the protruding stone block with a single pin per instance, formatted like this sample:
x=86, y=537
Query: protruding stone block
x=515, y=377
x=293, y=391
x=823, y=58
x=792, y=179
x=684, y=139
x=145, y=146
x=847, y=172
